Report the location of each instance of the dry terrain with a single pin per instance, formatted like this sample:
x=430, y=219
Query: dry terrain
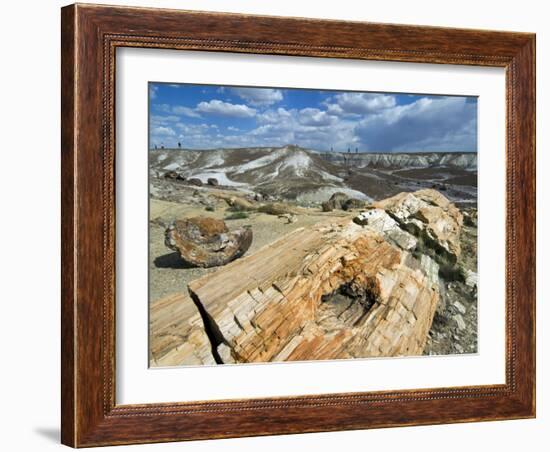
x=289, y=193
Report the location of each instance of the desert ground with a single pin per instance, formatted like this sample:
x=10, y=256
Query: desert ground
x=285, y=193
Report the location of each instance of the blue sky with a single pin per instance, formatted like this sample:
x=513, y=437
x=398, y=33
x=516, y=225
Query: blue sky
x=212, y=116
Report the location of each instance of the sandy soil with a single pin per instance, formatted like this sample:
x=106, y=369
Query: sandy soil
x=167, y=273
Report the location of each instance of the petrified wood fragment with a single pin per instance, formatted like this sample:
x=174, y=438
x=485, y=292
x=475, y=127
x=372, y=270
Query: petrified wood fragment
x=432, y=218
x=335, y=290
x=177, y=335
x=379, y=220
x=206, y=242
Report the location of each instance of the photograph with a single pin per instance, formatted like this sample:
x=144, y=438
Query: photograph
x=292, y=224
x=279, y=222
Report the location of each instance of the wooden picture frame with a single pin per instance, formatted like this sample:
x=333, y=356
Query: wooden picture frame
x=90, y=36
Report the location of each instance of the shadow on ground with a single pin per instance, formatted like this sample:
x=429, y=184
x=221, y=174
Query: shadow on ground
x=171, y=260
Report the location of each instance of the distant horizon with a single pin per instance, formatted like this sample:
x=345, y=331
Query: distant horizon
x=204, y=117
x=308, y=149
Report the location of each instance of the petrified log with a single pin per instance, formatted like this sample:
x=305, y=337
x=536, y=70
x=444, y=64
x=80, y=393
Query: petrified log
x=380, y=221
x=334, y=290
x=207, y=242
x=432, y=218
x=177, y=335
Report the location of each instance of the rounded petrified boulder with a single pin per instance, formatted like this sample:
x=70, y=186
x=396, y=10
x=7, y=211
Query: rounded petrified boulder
x=207, y=242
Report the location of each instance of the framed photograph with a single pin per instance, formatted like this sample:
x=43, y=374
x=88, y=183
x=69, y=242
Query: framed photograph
x=282, y=225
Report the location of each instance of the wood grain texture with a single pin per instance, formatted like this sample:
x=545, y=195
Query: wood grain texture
x=90, y=36
x=268, y=306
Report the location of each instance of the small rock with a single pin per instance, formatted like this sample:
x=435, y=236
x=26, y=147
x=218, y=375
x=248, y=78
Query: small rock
x=470, y=278
x=460, y=307
x=459, y=321
x=170, y=175
x=154, y=191
x=290, y=218
x=212, y=181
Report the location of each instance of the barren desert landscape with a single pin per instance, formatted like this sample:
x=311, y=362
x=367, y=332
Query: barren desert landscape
x=283, y=253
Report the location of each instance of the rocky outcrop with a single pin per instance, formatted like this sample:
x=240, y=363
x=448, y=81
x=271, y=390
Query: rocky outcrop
x=337, y=290
x=207, y=242
x=431, y=218
x=394, y=160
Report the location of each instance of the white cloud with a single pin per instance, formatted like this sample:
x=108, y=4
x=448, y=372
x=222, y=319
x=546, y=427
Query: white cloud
x=163, y=131
x=278, y=116
x=164, y=108
x=153, y=91
x=315, y=117
x=220, y=108
x=163, y=120
x=259, y=97
x=309, y=127
x=192, y=129
x=359, y=103
x=186, y=111
x=428, y=124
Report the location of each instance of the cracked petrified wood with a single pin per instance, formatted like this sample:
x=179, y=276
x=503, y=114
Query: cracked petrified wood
x=335, y=290
x=207, y=242
x=432, y=218
x=177, y=334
